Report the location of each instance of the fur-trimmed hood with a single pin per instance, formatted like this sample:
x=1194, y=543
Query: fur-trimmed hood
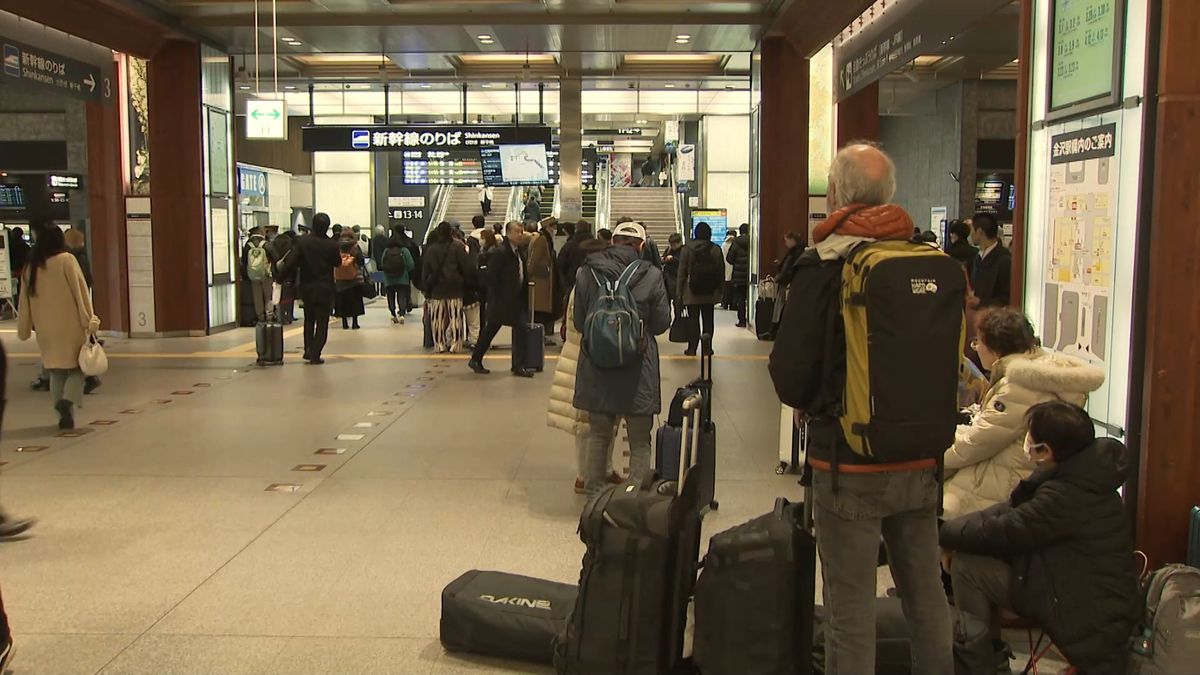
x=1050, y=372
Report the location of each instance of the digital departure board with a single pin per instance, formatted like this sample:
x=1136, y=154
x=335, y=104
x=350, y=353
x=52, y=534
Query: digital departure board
x=12, y=196
x=1084, y=56
x=442, y=167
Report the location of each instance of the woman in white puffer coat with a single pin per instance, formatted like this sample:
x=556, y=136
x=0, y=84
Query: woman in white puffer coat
x=988, y=457
x=561, y=413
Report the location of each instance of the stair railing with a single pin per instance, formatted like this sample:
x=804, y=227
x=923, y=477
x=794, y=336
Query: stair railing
x=441, y=204
x=678, y=201
x=603, y=195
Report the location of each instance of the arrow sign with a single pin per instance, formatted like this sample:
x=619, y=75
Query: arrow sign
x=259, y=114
x=266, y=119
x=90, y=82
x=36, y=66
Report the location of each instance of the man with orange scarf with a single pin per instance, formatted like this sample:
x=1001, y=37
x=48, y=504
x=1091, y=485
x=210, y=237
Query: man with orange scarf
x=865, y=500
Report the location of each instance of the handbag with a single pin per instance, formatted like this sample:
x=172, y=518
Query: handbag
x=92, y=359
x=683, y=329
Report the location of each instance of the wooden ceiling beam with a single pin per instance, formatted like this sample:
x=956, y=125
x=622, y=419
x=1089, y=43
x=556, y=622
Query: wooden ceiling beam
x=810, y=24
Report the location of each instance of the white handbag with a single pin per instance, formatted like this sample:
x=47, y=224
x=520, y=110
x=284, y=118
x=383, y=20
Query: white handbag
x=92, y=359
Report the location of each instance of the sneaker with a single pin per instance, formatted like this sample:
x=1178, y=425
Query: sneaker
x=13, y=528
x=66, y=418
x=395, y=319
x=580, y=487
x=401, y=321
x=6, y=656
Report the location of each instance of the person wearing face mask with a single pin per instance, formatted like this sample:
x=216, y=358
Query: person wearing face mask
x=987, y=459
x=1058, y=551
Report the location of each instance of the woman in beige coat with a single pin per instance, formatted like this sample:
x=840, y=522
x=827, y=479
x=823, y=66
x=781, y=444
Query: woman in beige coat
x=988, y=457
x=55, y=303
x=561, y=414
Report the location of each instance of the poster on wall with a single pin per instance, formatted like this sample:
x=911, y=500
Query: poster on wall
x=685, y=167
x=1080, y=246
x=622, y=170
x=218, y=152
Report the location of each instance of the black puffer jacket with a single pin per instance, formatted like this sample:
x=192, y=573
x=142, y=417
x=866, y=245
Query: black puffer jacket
x=739, y=258
x=1067, y=537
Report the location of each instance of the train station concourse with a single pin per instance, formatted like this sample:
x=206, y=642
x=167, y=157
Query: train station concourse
x=646, y=336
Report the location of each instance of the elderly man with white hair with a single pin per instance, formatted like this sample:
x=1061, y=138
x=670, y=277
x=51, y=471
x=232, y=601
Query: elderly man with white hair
x=856, y=498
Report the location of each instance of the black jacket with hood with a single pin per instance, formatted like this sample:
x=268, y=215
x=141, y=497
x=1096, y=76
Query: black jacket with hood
x=739, y=258
x=1066, y=535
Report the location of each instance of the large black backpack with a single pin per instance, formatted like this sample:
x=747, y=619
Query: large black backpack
x=393, y=261
x=708, y=270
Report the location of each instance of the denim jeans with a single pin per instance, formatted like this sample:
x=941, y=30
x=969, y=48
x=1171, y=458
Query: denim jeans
x=66, y=384
x=582, y=442
x=902, y=506
x=603, y=428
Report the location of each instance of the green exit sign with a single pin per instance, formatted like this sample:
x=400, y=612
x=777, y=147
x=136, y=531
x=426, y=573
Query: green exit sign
x=266, y=119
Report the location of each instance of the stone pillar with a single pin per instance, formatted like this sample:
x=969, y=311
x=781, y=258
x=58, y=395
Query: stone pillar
x=177, y=190
x=783, y=191
x=570, y=149
x=106, y=231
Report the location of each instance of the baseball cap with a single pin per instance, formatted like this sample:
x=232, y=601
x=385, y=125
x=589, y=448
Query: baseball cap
x=634, y=230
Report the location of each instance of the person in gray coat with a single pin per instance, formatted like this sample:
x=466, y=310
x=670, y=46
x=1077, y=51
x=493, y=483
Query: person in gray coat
x=701, y=283
x=632, y=392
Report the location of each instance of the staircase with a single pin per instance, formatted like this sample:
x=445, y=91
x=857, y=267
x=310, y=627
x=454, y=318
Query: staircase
x=464, y=205
x=652, y=207
x=547, y=202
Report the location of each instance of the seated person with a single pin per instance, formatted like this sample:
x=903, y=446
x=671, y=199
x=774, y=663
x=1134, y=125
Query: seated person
x=1060, y=552
x=987, y=459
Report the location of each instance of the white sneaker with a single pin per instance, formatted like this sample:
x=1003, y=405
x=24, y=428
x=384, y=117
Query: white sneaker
x=395, y=320
x=402, y=319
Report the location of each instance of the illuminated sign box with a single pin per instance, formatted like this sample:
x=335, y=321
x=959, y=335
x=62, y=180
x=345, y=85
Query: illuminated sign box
x=1084, y=57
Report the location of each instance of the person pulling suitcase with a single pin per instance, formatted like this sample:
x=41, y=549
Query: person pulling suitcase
x=507, y=300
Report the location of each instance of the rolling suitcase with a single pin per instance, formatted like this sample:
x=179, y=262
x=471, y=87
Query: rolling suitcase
x=639, y=572
x=426, y=321
x=533, y=355
x=764, y=319
x=793, y=443
x=1193, y=550
x=754, y=598
x=268, y=339
x=669, y=445
x=506, y=615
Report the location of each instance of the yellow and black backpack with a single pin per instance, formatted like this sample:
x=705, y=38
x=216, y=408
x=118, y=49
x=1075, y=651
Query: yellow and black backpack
x=903, y=304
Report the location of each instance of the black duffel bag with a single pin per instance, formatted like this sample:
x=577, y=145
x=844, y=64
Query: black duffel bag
x=506, y=615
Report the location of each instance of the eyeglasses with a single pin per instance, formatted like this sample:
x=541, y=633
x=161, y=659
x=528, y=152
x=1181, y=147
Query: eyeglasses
x=974, y=344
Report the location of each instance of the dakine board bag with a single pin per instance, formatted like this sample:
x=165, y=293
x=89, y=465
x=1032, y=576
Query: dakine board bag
x=754, y=598
x=903, y=304
x=1170, y=639
x=638, y=574
x=505, y=615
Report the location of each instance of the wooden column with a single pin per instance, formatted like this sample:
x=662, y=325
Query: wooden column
x=1170, y=463
x=106, y=190
x=783, y=190
x=177, y=189
x=858, y=116
x=1021, y=170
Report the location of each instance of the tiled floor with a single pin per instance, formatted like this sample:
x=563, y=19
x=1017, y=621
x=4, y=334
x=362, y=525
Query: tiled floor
x=159, y=549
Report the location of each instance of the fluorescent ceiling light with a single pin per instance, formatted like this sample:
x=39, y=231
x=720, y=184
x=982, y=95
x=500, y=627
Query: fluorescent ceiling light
x=659, y=59
x=683, y=36
x=289, y=87
x=507, y=59
x=340, y=59
x=484, y=37
x=244, y=87
x=643, y=121
x=683, y=42
x=669, y=85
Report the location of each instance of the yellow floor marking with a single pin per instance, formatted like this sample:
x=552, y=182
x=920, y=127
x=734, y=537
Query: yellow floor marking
x=253, y=346
x=367, y=357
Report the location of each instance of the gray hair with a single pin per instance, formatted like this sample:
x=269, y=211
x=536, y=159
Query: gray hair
x=856, y=177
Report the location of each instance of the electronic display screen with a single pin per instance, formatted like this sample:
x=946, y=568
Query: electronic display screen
x=442, y=167
x=12, y=196
x=526, y=164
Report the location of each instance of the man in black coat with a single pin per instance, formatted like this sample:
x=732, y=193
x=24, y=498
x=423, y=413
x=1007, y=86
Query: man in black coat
x=739, y=258
x=316, y=257
x=991, y=275
x=508, y=301
x=1060, y=552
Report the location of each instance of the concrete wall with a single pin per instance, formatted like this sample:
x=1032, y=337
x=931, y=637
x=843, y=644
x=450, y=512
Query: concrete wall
x=926, y=147
x=989, y=112
x=30, y=115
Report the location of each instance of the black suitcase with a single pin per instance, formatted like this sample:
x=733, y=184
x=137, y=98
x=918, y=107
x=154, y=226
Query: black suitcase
x=534, y=334
x=505, y=615
x=669, y=438
x=268, y=338
x=428, y=327
x=754, y=598
x=639, y=572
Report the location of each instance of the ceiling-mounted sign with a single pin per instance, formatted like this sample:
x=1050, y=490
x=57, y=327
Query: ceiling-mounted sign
x=1085, y=56
x=906, y=31
x=385, y=138
x=64, y=181
x=39, y=66
x=266, y=120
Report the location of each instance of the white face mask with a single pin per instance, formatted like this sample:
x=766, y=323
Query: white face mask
x=1031, y=448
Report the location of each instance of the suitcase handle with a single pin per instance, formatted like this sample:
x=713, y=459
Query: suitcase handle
x=706, y=362
x=532, y=323
x=691, y=404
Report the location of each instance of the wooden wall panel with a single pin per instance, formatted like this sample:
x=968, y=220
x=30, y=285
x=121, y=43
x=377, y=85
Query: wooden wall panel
x=288, y=155
x=1170, y=463
x=177, y=189
x=783, y=194
x=106, y=190
x=858, y=116
x=1021, y=166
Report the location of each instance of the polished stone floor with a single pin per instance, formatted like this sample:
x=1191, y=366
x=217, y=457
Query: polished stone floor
x=160, y=548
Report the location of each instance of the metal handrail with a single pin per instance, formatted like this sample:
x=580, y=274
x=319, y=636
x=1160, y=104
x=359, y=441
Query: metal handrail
x=677, y=201
x=441, y=204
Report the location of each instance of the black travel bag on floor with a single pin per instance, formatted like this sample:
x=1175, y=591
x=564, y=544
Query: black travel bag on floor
x=268, y=338
x=669, y=438
x=764, y=318
x=534, y=355
x=506, y=615
x=639, y=571
x=754, y=599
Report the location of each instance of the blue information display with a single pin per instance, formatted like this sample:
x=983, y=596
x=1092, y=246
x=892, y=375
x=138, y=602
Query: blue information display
x=717, y=219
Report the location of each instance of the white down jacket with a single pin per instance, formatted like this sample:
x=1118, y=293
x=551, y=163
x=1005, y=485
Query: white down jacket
x=988, y=457
x=561, y=413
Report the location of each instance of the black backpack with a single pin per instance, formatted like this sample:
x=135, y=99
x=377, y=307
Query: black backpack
x=393, y=261
x=707, y=272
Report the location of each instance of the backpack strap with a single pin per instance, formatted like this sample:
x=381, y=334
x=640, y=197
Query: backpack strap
x=627, y=274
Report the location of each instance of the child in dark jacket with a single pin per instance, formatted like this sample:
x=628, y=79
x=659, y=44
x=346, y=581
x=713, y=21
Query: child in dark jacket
x=1060, y=552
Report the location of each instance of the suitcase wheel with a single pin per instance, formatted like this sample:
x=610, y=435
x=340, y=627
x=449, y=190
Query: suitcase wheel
x=781, y=469
x=714, y=505
x=261, y=363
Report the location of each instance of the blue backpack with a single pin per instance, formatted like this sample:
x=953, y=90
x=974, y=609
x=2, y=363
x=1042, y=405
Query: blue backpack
x=613, y=336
